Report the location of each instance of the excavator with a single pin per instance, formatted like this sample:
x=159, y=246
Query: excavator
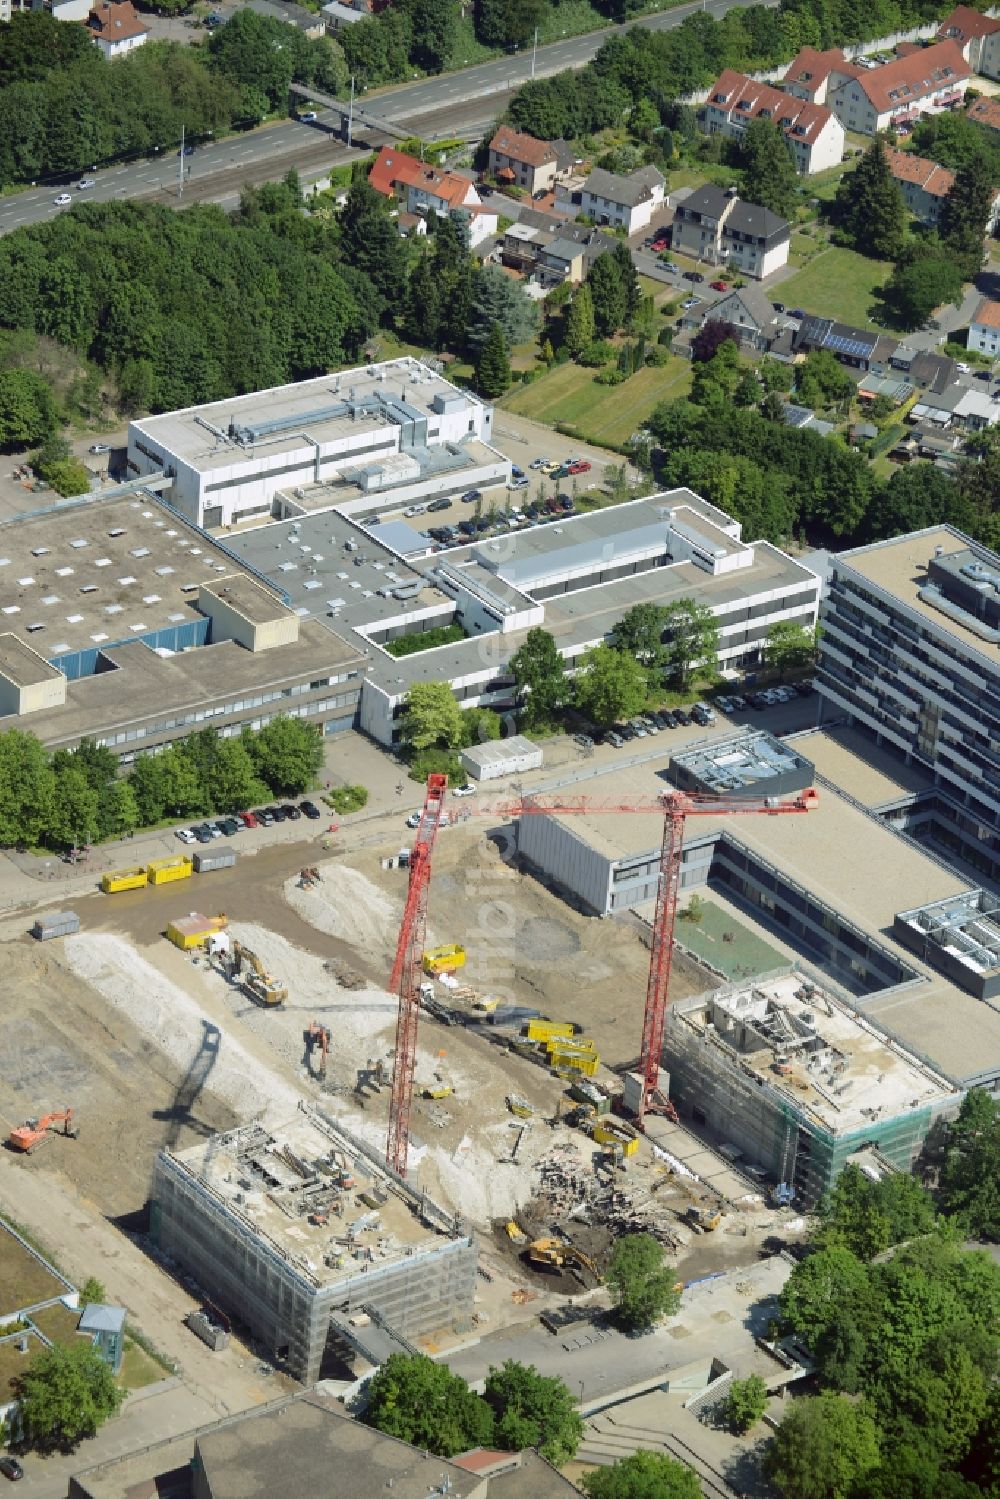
x=254, y=978
x=556, y=1254
x=318, y=1036
x=33, y=1132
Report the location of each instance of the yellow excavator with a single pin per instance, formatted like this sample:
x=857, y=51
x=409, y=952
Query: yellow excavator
x=555, y=1254
x=254, y=978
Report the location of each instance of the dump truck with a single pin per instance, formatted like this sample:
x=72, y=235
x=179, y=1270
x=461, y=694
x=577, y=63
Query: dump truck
x=444, y=959
x=254, y=979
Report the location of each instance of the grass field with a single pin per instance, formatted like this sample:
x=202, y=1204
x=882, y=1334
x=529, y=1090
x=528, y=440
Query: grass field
x=600, y=413
x=839, y=284
x=721, y=940
x=23, y=1281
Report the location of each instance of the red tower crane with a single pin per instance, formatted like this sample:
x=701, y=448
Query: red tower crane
x=675, y=807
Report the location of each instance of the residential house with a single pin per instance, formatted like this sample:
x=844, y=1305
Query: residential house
x=812, y=132
x=339, y=14
x=609, y=198
x=858, y=348
x=985, y=112
x=811, y=74
x=923, y=80
x=311, y=24
x=116, y=28
x=748, y=309
x=972, y=31
x=984, y=328
x=550, y=254
x=925, y=185
x=957, y=407
x=421, y=188
x=925, y=371
x=526, y=162
x=801, y=417
x=714, y=225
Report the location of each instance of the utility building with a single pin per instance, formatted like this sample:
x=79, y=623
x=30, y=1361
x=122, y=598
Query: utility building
x=303, y=1236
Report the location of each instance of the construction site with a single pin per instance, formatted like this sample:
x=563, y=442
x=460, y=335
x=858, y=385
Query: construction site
x=390, y=1093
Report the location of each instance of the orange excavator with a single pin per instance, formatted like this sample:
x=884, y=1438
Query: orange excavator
x=29, y=1135
x=318, y=1036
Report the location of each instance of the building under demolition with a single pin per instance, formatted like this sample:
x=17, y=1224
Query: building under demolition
x=789, y=1079
x=301, y=1235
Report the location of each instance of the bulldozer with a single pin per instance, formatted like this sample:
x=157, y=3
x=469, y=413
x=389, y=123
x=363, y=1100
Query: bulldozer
x=254, y=978
x=34, y=1132
x=556, y=1254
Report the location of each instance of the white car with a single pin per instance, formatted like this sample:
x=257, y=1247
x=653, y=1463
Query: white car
x=185, y=835
x=63, y=200
x=308, y=117
x=414, y=510
x=413, y=821
x=467, y=790
x=84, y=183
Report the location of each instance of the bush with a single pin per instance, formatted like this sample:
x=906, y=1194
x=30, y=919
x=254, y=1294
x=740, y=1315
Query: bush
x=598, y=353
x=745, y=1403
x=611, y=377
x=437, y=762
x=426, y=640
x=658, y=355
x=346, y=799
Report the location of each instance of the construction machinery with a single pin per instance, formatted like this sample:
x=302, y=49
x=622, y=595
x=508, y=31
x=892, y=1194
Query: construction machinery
x=317, y=1037
x=253, y=977
x=444, y=959
x=33, y=1132
x=556, y=1254
x=308, y=878
x=705, y=1220
x=674, y=807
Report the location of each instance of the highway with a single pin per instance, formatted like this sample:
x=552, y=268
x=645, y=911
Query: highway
x=463, y=103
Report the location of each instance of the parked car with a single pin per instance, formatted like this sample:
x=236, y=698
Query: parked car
x=11, y=1468
x=521, y=483
x=311, y=810
x=246, y=820
x=186, y=835
x=228, y=826
x=626, y=732
x=660, y=243
x=63, y=200
x=719, y=285
x=278, y=813
x=291, y=811
x=778, y=306
x=695, y=276
x=441, y=504
x=690, y=302
x=797, y=312
x=583, y=740
x=413, y=821
x=615, y=740
x=805, y=689
x=548, y=468
x=638, y=729
x=580, y=466
x=537, y=462
x=681, y=717
x=201, y=834
x=471, y=496
x=265, y=817
x=414, y=510
x=100, y=447
x=469, y=789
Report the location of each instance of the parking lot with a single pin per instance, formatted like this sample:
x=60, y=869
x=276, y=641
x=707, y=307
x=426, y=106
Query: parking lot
x=264, y=817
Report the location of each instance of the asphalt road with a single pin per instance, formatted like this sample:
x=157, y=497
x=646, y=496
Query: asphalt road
x=463, y=103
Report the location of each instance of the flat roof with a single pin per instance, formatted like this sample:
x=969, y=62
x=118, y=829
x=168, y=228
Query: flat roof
x=22, y=665
x=281, y=1196
x=839, y=1070
x=209, y=437
x=102, y=571
x=747, y=760
x=856, y=764
x=257, y=604
x=900, y=568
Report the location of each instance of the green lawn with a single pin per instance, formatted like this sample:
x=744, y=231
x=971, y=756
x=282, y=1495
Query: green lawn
x=726, y=943
x=600, y=413
x=138, y=1369
x=838, y=284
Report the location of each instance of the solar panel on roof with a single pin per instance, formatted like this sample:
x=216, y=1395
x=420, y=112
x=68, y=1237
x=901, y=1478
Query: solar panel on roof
x=844, y=345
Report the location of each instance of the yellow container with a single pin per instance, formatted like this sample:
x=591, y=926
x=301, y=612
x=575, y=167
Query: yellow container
x=444, y=959
x=123, y=879
x=576, y=1061
x=162, y=871
x=615, y=1133
x=194, y=930
x=544, y=1030
x=570, y=1043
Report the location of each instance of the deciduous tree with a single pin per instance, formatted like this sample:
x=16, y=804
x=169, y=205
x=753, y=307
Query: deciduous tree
x=432, y=718
x=746, y=1402
x=540, y=674
x=692, y=641
x=970, y=1173
x=533, y=1410
x=640, y=633
x=790, y=647
x=642, y=1286
x=642, y=1475
x=769, y=175
x=287, y=754
x=66, y=1393
x=825, y=1448
x=421, y=1402
x=610, y=685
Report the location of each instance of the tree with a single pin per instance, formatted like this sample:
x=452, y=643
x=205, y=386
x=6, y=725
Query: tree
x=712, y=334
x=65, y=1394
x=608, y=295
x=540, y=674
x=640, y=633
x=823, y=381
x=580, y=321
x=421, y=1402
x=232, y=778
x=422, y=312
x=769, y=176
x=790, y=647
x=74, y=809
x=825, y=1448
x=434, y=25
x=287, y=753
x=643, y=1475
x=642, y=1287
x=432, y=718
x=869, y=206
x=746, y=1402
x=493, y=369
x=819, y=1290
x=370, y=242
x=692, y=641
x=629, y=277
x=611, y=685
x=92, y=1291
x=867, y=1216
x=27, y=409
x=532, y=1410
x=970, y=1174
x=918, y=286
x=480, y=725
x=965, y=214
x=27, y=789
x=498, y=299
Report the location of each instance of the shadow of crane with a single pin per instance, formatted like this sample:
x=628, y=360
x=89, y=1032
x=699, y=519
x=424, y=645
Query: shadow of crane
x=179, y=1115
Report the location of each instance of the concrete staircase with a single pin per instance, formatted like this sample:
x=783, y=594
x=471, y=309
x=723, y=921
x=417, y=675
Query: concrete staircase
x=611, y=1435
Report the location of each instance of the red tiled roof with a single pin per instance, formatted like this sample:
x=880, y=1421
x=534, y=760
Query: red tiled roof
x=985, y=112
x=908, y=79
x=964, y=23
x=987, y=313
x=906, y=167
x=748, y=100
x=116, y=21
x=392, y=169
x=809, y=67
x=479, y=1459
x=520, y=147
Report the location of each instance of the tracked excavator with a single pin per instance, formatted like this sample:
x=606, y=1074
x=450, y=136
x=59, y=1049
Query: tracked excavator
x=255, y=981
x=317, y=1037
x=33, y=1132
x=555, y=1254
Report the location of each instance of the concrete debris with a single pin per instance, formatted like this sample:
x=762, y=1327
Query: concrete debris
x=570, y=1188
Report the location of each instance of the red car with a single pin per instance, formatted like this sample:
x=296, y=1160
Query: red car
x=249, y=820
x=661, y=242
x=719, y=285
x=581, y=466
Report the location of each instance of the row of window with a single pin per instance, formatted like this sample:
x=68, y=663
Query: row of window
x=224, y=710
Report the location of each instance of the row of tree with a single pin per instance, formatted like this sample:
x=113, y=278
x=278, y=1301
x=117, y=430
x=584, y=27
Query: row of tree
x=64, y=109
x=75, y=797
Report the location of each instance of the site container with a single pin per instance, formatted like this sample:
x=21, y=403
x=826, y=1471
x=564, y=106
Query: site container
x=56, y=924
x=194, y=931
x=222, y=858
x=546, y=1030
x=585, y=1062
x=616, y=1132
x=570, y=1043
x=162, y=871
x=123, y=879
x=444, y=959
